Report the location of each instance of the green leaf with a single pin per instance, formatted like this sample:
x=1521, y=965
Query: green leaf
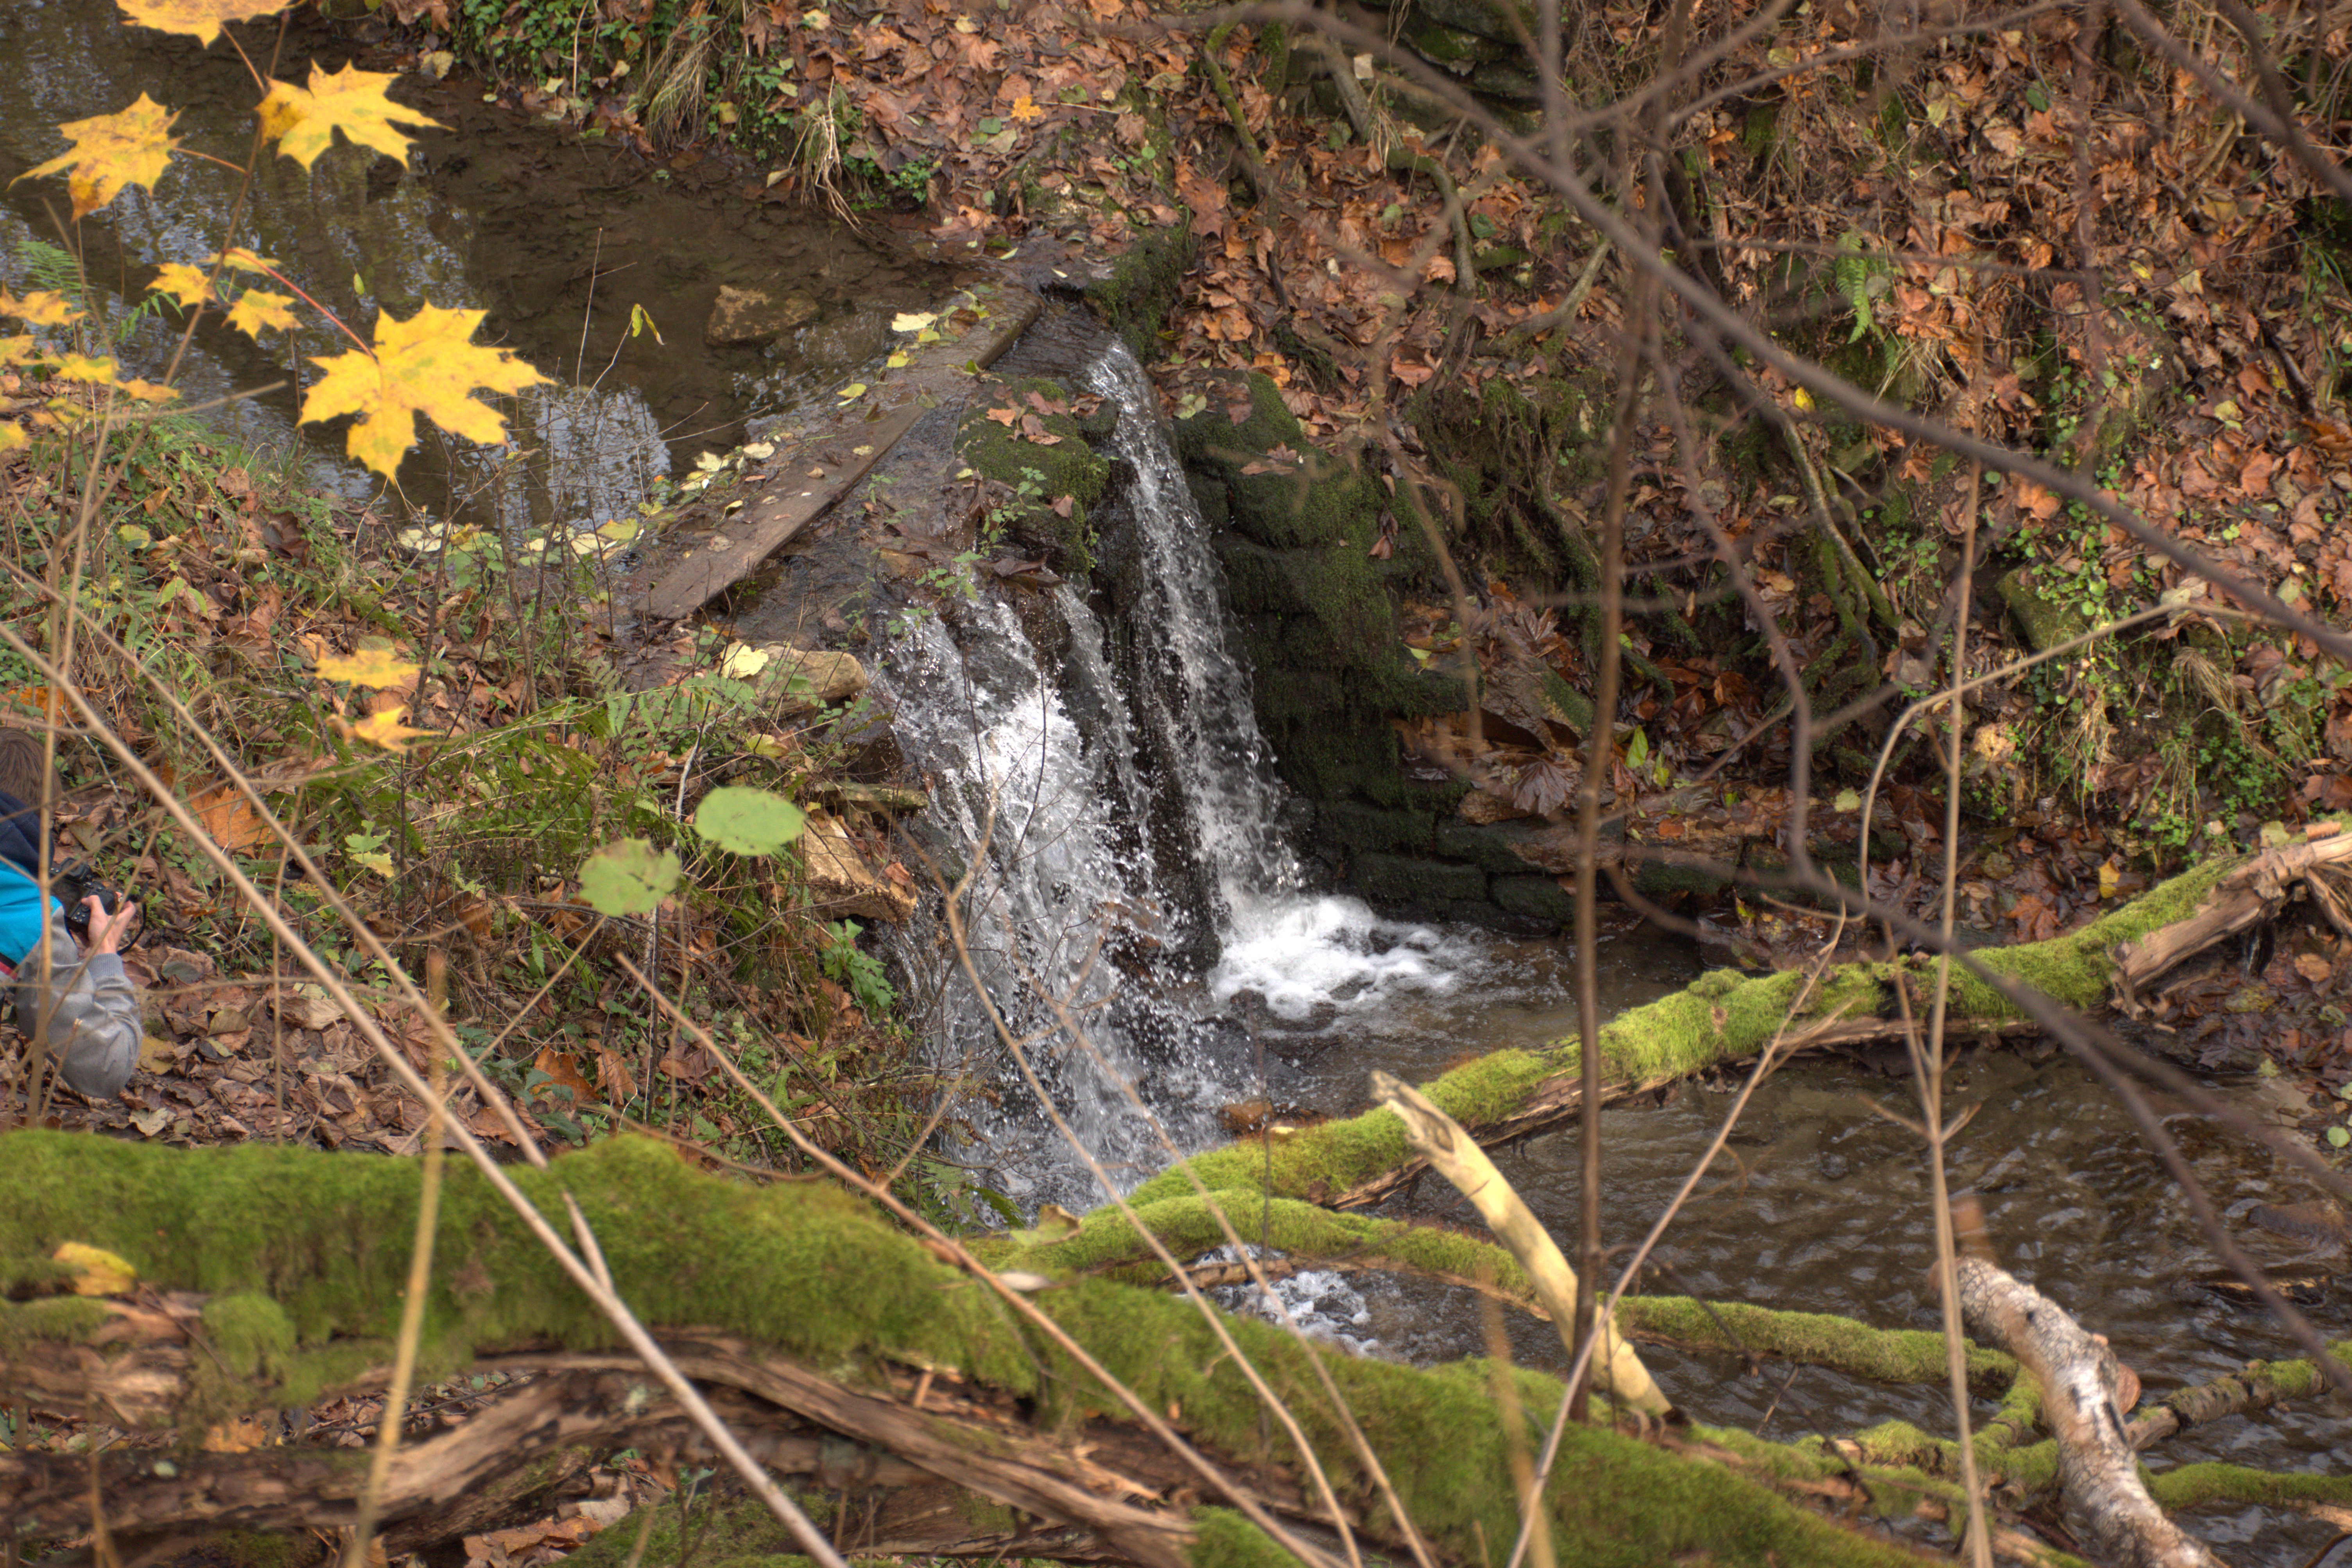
x=2338, y=1137
x=748, y=821
x=627, y=877
x=1847, y=800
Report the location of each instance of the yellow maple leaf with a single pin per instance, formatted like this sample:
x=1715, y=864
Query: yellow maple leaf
x=244, y=260
x=384, y=730
x=197, y=18
x=259, y=307
x=96, y=1271
x=1025, y=107
x=13, y=438
x=182, y=282
x=303, y=121
x=111, y=151
x=422, y=365
x=375, y=667
x=41, y=308
x=19, y=350
x=84, y=367
x=148, y=391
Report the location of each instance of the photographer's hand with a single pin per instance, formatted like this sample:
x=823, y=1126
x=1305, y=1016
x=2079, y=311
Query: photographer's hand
x=107, y=930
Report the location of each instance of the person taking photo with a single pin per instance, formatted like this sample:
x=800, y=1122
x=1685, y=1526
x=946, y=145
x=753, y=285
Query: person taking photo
x=77, y=1004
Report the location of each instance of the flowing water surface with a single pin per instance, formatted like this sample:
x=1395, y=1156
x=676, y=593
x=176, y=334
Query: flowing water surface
x=1137, y=913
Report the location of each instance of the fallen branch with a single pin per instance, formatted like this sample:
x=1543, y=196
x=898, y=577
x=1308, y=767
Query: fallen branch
x=2079, y=1375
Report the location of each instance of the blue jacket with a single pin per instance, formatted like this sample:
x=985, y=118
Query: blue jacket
x=85, y=1011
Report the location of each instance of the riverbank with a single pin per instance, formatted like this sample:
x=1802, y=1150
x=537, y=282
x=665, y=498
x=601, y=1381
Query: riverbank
x=448, y=735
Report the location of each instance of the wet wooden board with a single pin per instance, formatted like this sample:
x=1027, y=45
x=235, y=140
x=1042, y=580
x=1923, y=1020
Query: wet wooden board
x=823, y=464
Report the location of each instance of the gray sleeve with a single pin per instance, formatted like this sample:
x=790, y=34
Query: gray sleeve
x=88, y=1014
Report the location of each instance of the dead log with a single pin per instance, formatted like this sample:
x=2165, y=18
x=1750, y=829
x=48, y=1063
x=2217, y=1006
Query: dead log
x=1725, y=1017
x=2098, y=1469
x=269, y=1278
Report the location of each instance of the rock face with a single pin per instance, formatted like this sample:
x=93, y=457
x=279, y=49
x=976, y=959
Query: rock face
x=800, y=681
x=1036, y=439
x=843, y=882
x=752, y=317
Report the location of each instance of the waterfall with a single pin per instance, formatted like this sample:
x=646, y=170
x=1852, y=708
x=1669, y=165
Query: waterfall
x=1111, y=810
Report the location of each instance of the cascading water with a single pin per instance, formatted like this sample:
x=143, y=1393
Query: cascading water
x=1110, y=809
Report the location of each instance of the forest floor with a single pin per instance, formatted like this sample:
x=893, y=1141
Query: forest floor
x=2042, y=237
x=1087, y=126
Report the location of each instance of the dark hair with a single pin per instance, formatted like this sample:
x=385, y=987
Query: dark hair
x=24, y=770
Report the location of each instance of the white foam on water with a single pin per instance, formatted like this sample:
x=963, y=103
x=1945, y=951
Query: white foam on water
x=1307, y=954
x=1055, y=780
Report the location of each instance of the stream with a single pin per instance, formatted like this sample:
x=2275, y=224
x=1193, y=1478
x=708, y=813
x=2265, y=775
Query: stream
x=1099, y=772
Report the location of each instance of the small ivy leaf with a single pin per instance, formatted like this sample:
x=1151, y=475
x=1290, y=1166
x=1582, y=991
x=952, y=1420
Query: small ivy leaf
x=748, y=821
x=629, y=877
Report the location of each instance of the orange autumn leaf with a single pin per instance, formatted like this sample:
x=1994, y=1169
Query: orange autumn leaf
x=1025, y=107
x=111, y=151
x=563, y=1072
x=303, y=121
x=422, y=365
x=230, y=818
x=199, y=19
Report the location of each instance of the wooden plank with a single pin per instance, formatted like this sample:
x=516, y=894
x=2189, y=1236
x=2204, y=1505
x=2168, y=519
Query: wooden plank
x=761, y=528
x=828, y=462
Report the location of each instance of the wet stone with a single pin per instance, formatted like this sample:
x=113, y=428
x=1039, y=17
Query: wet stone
x=752, y=317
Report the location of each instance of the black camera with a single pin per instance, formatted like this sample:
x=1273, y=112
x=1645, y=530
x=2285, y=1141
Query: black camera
x=74, y=887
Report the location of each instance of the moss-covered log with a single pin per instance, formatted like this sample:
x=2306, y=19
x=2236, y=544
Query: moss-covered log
x=1721, y=1017
x=278, y=1275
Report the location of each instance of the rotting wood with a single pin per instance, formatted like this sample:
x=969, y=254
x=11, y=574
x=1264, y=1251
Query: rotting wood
x=828, y=460
x=764, y=526
x=1441, y=1141
x=2250, y=896
x=2098, y=1469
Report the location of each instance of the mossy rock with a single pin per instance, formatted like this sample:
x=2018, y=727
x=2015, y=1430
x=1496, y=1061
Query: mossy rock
x=1135, y=299
x=1505, y=447
x=2046, y=623
x=1446, y=46
x=1043, y=472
